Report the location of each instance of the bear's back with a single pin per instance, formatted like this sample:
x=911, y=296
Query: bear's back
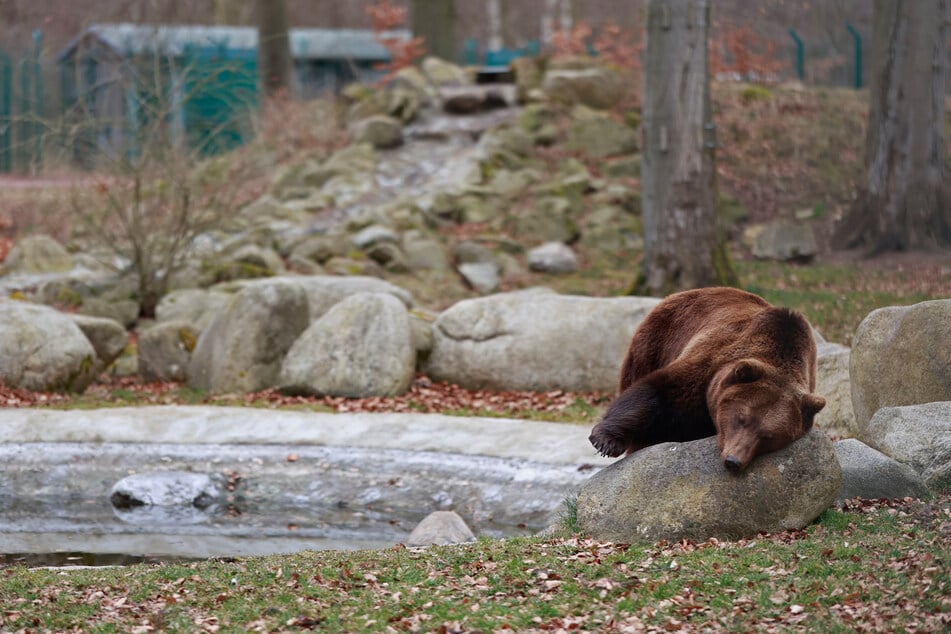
x=689, y=322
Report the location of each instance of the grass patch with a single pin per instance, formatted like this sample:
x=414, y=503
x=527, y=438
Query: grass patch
x=836, y=298
x=867, y=568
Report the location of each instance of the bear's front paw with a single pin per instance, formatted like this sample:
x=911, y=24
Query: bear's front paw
x=610, y=447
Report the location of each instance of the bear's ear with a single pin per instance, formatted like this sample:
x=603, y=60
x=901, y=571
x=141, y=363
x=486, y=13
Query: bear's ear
x=746, y=371
x=811, y=405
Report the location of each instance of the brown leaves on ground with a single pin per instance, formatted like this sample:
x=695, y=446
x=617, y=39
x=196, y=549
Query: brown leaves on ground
x=430, y=396
x=15, y=397
x=423, y=396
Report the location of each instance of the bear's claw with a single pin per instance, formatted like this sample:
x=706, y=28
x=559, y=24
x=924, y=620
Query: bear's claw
x=606, y=446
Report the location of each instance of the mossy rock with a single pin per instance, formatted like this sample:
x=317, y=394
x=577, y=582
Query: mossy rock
x=752, y=94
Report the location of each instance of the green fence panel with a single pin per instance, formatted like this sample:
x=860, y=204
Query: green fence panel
x=220, y=96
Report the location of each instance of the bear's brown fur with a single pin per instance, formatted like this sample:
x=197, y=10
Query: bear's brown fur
x=715, y=361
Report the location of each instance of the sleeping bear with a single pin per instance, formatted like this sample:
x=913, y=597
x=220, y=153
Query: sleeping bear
x=715, y=361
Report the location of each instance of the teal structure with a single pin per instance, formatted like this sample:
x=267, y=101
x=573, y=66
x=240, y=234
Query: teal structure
x=199, y=82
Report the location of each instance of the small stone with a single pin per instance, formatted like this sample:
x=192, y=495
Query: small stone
x=482, y=276
x=374, y=234
x=440, y=528
x=785, y=240
x=167, y=488
x=552, y=257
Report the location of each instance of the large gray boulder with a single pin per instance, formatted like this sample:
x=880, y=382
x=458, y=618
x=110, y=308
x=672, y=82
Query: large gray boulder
x=916, y=435
x=443, y=73
x=675, y=491
x=901, y=355
x=832, y=383
x=598, y=135
x=363, y=346
x=38, y=254
x=325, y=291
x=124, y=311
x=597, y=87
x=43, y=350
x=107, y=336
x=380, y=131
x=535, y=340
x=165, y=350
x=242, y=350
x=870, y=474
x=199, y=307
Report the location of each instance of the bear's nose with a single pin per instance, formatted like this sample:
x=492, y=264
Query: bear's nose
x=732, y=464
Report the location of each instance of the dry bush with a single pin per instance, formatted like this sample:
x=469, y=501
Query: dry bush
x=149, y=212
x=740, y=52
x=287, y=128
x=151, y=197
x=385, y=17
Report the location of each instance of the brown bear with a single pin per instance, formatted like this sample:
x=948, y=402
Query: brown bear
x=715, y=361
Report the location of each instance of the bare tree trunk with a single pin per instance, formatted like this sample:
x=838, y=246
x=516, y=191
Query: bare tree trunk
x=905, y=201
x=494, y=12
x=548, y=20
x=435, y=22
x=566, y=15
x=275, y=65
x=684, y=246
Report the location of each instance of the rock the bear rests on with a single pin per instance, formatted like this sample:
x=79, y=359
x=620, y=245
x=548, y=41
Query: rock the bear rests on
x=715, y=361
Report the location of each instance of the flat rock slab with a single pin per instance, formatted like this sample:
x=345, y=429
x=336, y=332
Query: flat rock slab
x=557, y=443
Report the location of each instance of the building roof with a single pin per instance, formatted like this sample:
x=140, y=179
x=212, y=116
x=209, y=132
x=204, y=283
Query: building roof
x=136, y=39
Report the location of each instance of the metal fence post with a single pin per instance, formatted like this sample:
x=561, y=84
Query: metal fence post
x=800, y=55
x=858, y=54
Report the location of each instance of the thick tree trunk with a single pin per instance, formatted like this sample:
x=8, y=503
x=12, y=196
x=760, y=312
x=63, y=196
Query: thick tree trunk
x=684, y=246
x=275, y=65
x=435, y=22
x=904, y=202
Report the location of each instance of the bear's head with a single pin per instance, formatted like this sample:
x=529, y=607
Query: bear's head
x=756, y=408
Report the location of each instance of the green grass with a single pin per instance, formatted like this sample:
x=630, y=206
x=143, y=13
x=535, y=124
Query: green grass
x=836, y=298
x=872, y=568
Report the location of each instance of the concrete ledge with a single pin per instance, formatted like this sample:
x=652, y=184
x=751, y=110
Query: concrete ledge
x=554, y=443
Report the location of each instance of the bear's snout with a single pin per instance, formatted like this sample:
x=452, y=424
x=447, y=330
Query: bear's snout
x=732, y=464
